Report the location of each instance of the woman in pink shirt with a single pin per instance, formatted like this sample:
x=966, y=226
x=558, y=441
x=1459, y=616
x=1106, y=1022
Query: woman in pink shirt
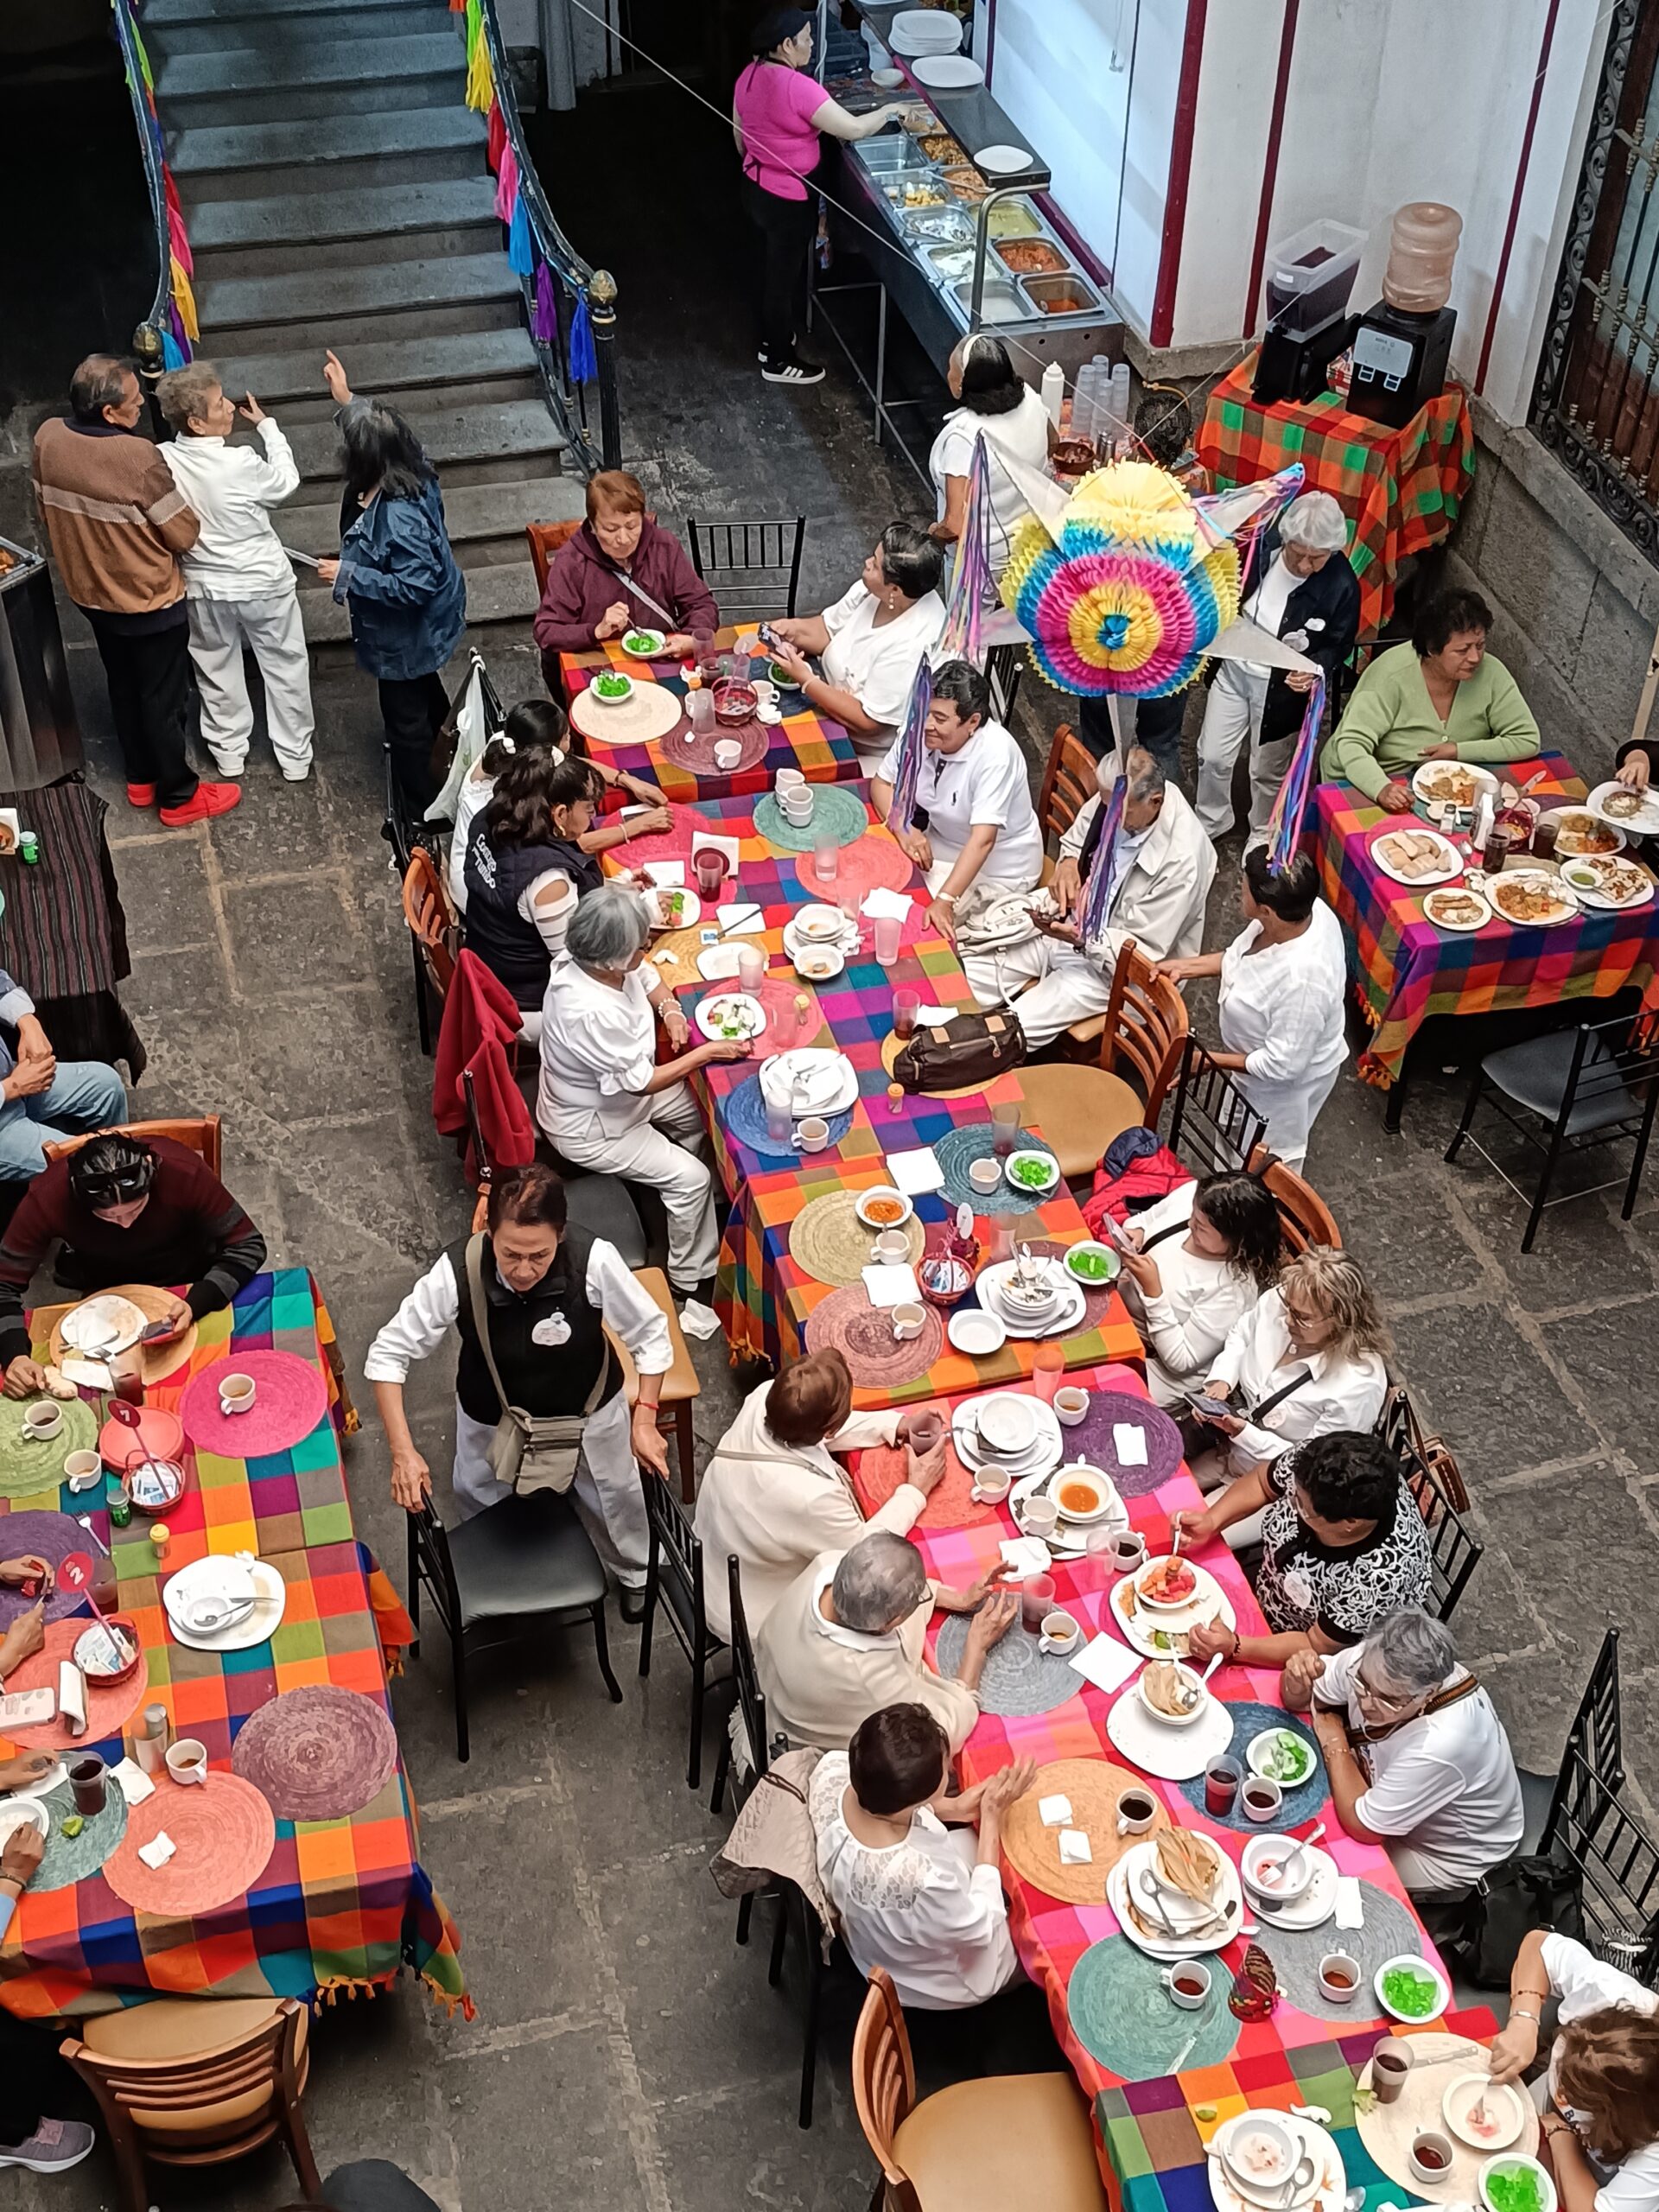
x=777, y=112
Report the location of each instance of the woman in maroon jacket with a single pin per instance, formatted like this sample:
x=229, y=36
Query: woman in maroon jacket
x=621, y=571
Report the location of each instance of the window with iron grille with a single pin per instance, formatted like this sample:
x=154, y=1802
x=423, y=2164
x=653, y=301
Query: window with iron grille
x=1596, y=403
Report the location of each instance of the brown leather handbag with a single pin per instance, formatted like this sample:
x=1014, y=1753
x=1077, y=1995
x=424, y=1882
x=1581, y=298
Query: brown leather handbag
x=969, y=1049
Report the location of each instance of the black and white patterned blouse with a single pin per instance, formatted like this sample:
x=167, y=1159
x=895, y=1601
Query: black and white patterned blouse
x=1343, y=1590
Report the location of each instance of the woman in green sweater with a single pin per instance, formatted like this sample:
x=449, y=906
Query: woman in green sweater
x=1441, y=697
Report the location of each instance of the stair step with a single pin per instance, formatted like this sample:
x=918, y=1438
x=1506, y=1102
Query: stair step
x=397, y=372
x=315, y=295
x=475, y=513
x=170, y=36
x=514, y=433
x=264, y=72
x=505, y=591
x=326, y=139
x=301, y=218
x=245, y=13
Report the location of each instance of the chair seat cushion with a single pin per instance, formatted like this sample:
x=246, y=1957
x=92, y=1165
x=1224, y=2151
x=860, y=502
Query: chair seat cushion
x=1535, y=1074
x=1013, y=2139
x=1077, y=1110
x=680, y=1382
x=171, y=2028
x=525, y=1555
x=1537, y=1790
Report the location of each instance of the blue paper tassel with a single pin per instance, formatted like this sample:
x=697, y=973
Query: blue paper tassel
x=584, y=362
x=171, y=356
x=520, y=253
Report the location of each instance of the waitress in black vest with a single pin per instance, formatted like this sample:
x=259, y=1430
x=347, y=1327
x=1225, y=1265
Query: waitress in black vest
x=551, y=1290
x=525, y=870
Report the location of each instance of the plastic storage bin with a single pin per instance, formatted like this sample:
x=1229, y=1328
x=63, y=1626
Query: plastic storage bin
x=1310, y=275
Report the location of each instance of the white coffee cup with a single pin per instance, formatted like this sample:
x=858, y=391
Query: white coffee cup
x=1343, y=1991
x=985, y=1175
x=1259, y=1799
x=1060, y=1633
x=237, y=1393
x=42, y=1420
x=797, y=805
x=991, y=1486
x=1187, y=1983
x=1137, y=1810
x=789, y=780
x=892, y=1249
x=1039, y=1517
x=1071, y=1404
x=1128, y=1550
x=81, y=1469
x=812, y=1135
x=908, y=1321
x=186, y=1760
x=728, y=752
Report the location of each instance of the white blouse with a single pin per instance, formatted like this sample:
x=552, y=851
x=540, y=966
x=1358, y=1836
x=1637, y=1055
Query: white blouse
x=1283, y=1009
x=878, y=666
x=1585, y=1984
x=1022, y=433
x=1185, y=1326
x=598, y=1052
x=923, y=1908
x=1259, y=1359
x=986, y=782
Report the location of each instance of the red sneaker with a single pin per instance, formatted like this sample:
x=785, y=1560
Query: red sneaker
x=208, y=800
x=141, y=794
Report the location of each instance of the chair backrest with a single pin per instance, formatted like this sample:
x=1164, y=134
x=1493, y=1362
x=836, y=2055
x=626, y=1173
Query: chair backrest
x=197, y=1133
x=1213, y=1127
x=754, y=567
x=1595, y=1737
x=264, y=2061
x=545, y=540
x=1303, y=1215
x=1070, y=781
x=1400, y=1424
x=1611, y=1056
x=1146, y=1029
x=884, y=2083
x=1454, y=1554
x=429, y=1563
x=750, y=1696
x=679, y=1566
x=431, y=918
x=1591, y=1825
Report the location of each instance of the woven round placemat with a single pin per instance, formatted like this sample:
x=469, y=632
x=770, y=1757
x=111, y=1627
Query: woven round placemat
x=829, y=1242
x=674, y=956
x=292, y=1399
x=891, y=1048
x=794, y=1018
x=50, y=1536
x=160, y=1361
x=30, y=1467
x=224, y=1833
x=1019, y=1677
x=1300, y=1804
x=1121, y=2014
x=1390, y=1929
x=317, y=1753
x=863, y=1335
x=1091, y=1440
x=695, y=749
x=1387, y=2130
x=110, y=1705
x=836, y=812
x=1094, y=1787
x=873, y=860
x=70, y=1858
x=882, y=1467
x=957, y=1151
x=673, y=843
x=744, y=1112
x=652, y=711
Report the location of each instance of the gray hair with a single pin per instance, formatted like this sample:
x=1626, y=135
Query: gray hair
x=879, y=1581
x=1147, y=779
x=608, y=927
x=185, y=392
x=99, y=382
x=1316, y=521
x=1413, y=1650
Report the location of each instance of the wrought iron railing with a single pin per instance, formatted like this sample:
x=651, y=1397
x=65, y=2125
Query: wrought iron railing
x=1597, y=400
x=165, y=336
x=570, y=307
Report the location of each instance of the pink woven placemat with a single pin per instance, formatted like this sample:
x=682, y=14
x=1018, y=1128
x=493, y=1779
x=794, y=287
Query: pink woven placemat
x=696, y=751
x=317, y=1753
x=110, y=1705
x=291, y=1399
x=224, y=1833
x=787, y=1027
x=863, y=1335
x=673, y=843
x=952, y=1505
x=873, y=860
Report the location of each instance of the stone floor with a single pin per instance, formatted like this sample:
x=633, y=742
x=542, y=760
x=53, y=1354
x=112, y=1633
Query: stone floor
x=626, y=2054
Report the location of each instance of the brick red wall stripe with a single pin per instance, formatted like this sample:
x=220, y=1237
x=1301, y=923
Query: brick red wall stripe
x=1270, y=165
x=1180, y=173
x=1502, y=270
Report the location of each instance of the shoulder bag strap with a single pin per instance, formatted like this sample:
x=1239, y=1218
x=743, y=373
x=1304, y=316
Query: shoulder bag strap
x=1279, y=1397
x=1163, y=1235
x=1442, y=1698
x=482, y=1313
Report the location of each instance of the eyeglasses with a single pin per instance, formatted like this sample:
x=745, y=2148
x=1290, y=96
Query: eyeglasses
x=1385, y=1700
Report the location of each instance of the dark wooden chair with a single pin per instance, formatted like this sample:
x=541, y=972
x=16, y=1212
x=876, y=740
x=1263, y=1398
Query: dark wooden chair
x=1454, y=1551
x=1303, y=1215
x=1595, y=1740
x=1591, y=1825
x=754, y=568
x=674, y=1581
x=547, y=539
x=197, y=1133
x=1213, y=1127
x=1070, y=780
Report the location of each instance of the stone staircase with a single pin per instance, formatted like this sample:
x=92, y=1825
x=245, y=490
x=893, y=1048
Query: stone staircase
x=336, y=192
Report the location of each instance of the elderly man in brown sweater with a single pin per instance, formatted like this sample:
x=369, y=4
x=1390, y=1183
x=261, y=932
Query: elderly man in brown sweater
x=117, y=523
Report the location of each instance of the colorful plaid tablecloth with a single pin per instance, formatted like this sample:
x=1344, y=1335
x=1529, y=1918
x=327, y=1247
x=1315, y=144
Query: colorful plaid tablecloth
x=1407, y=968
x=342, y=1904
x=1154, y=2143
x=1052, y=1936
x=1401, y=490
x=820, y=749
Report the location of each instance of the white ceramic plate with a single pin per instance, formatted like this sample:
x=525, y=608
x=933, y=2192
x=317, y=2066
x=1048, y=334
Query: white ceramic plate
x=1044, y=1160
x=817, y=963
x=1433, y=772
x=1571, y=832
x=1258, y=1758
x=1211, y=1603
x=810, y=1081
x=1171, y=1754
x=1504, y=2107
x=1432, y=901
x=1004, y=161
x=651, y=651
x=925, y=30
x=1315, y=1905
x=1564, y=906
x=948, y=72
x=104, y=1324
x=689, y=907
x=1606, y=881
x=270, y=1600
x=817, y=924
x=717, y=964
x=975, y=1333
x=1450, y=865
x=1119, y=1891
x=1060, y=1323
x=750, y=1011
x=1642, y=823
x=965, y=1428
x=1279, y=2136
x=1419, y=1966
x=1071, y=1538
x=1329, y=2190
x=23, y=1813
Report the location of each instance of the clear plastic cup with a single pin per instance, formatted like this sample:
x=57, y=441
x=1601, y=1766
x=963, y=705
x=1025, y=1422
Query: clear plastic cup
x=888, y=928
x=751, y=967
x=906, y=1005
x=826, y=856
x=1047, y=1371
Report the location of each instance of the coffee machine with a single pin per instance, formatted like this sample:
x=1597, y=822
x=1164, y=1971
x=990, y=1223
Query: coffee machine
x=1307, y=277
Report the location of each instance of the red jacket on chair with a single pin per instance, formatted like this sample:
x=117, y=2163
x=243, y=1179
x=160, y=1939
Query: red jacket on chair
x=480, y=1022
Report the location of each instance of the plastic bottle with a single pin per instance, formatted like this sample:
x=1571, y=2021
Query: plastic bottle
x=1083, y=402
x=1053, y=391
x=1423, y=247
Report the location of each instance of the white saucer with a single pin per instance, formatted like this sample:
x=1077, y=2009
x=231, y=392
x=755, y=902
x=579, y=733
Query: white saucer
x=260, y=1626
x=1070, y=1537
x=1330, y=2186
x=23, y=1813
x=1172, y=1754
x=1315, y=1905
x=1063, y=1319
x=1004, y=161
x=1139, y=1631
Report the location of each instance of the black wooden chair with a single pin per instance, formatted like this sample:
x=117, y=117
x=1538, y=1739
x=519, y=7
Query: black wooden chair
x=1454, y=1554
x=1590, y=1824
x=753, y=568
x=752, y=1703
x=1595, y=1739
x=674, y=1581
x=1400, y=1425
x=1567, y=1092
x=1213, y=1127
x=528, y=1559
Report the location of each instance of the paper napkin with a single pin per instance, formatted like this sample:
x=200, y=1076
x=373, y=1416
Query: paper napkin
x=916, y=1173
x=667, y=875
x=1106, y=1662
x=1350, y=1906
x=1075, y=1849
x=931, y=1017
x=1129, y=1442
x=704, y=840
x=882, y=901
x=133, y=1782
x=742, y=918
x=891, y=1285
x=1054, y=1811
x=1026, y=1555
x=158, y=1851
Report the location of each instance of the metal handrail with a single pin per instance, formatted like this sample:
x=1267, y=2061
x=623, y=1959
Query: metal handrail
x=155, y=322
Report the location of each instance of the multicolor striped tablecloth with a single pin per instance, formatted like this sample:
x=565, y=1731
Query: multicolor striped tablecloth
x=820, y=749
x=1408, y=970
x=1052, y=1936
x=1401, y=490
x=342, y=1904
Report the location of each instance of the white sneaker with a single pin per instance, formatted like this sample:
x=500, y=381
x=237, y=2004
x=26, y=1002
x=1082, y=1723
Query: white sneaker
x=55, y=2145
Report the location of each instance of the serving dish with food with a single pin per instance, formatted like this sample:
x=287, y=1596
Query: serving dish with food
x=1092, y=1263
x=1161, y=1631
x=1531, y=897
x=966, y=185
x=1514, y=2183
x=668, y=907
x=611, y=688
x=644, y=645
x=1452, y=783
x=1578, y=833
x=946, y=226
x=1030, y=256
x=1605, y=880
x=1635, y=812
x=733, y=1016
x=1416, y=857
x=1172, y=1692
x=884, y=1208
x=1280, y=1755
x=1410, y=1989
x=1176, y=1894
x=1457, y=907
x=1033, y=1170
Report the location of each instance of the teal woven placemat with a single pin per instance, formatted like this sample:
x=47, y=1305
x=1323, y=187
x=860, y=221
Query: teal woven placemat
x=835, y=812
x=957, y=1151
x=69, y=1858
x=1122, y=2013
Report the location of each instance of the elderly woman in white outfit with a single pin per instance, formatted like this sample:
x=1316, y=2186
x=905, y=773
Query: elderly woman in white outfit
x=916, y=1891
x=871, y=642
x=973, y=816
x=1284, y=980
x=603, y=1101
x=1162, y=867
x=1194, y=1264
x=1001, y=408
